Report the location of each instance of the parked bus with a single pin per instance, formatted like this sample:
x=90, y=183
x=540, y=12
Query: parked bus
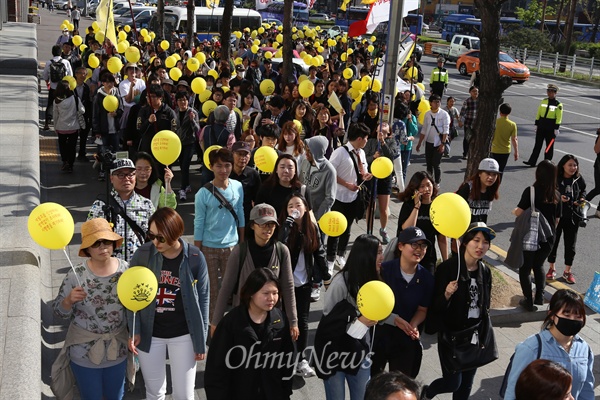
x=353, y=14
x=451, y=25
x=581, y=32
x=208, y=22
x=275, y=11
x=472, y=26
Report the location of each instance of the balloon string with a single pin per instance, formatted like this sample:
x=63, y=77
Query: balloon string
x=133, y=329
x=72, y=267
x=458, y=251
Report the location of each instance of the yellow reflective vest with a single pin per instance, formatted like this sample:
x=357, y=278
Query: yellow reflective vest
x=549, y=115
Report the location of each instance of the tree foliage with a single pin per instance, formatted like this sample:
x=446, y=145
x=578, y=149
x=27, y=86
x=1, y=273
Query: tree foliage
x=527, y=38
x=533, y=12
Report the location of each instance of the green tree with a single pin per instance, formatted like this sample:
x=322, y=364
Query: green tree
x=527, y=38
x=533, y=13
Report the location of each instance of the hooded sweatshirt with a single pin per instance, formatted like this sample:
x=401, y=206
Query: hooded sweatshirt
x=319, y=176
x=65, y=114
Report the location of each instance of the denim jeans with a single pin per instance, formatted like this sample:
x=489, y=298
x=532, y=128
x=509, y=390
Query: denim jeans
x=335, y=386
x=100, y=383
x=405, y=155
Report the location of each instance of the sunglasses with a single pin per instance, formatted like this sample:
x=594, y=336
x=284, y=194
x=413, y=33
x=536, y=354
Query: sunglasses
x=152, y=236
x=100, y=242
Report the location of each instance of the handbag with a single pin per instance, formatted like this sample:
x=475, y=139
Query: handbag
x=80, y=115
x=361, y=204
x=469, y=348
x=530, y=239
x=592, y=296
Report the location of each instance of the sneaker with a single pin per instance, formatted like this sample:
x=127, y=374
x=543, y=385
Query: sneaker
x=182, y=195
x=315, y=293
x=568, y=276
x=551, y=274
x=539, y=299
x=385, y=239
x=463, y=157
x=188, y=189
x=304, y=370
x=340, y=262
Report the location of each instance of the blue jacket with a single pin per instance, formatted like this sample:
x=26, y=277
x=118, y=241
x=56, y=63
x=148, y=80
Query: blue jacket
x=579, y=362
x=194, y=291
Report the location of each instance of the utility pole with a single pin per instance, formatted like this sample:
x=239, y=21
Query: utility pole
x=390, y=71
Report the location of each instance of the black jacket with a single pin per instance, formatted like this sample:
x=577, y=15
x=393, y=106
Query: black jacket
x=166, y=119
x=285, y=117
x=453, y=314
x=249, y=377
x=317, y=259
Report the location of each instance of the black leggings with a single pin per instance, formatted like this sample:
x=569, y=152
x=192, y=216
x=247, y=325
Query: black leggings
x=458, y=383
x=596, y=190
x=408, y=360
x=337, y=245
x=534, y=260
x=570, y=230
x=302, y=294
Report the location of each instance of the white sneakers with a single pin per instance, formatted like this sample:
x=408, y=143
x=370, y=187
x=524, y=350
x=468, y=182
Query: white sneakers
x=304, y=370
x=340, y=262
x=315, y=293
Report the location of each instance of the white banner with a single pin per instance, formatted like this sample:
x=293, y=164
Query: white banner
x=380, y=12
x=262, y=4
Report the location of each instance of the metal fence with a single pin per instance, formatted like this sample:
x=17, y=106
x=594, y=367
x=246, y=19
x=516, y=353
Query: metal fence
x=575, y=66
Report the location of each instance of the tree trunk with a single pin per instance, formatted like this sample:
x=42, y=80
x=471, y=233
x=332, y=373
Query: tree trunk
x=226, y=30
x=191, y=26
x=558, y=14
x=288, y=54
x=491, y=87
x=596, y=23
x=544, y=4
x=568, y=34
x=160, y=20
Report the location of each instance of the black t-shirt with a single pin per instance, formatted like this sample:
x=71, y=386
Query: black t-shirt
x=250, y=180
x=550, y=211
x=274, y=196
x=424, y=223
x=169, y=320
x=260, y=255
x=479, y=208
x=145, y=192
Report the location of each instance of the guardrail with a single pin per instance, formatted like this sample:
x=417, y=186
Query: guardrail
x=556, y=64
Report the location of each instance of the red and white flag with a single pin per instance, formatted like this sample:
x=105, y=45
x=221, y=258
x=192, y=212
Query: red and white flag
x=379, y=12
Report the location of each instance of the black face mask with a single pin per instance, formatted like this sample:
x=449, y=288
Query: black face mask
x=568, y=327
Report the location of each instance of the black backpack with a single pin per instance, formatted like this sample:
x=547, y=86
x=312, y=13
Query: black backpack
x=58, y=70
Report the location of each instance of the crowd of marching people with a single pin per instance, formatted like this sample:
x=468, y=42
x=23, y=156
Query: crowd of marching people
x=239, y=297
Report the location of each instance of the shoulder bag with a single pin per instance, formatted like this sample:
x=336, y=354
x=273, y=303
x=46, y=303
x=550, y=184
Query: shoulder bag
x=80, y=115
x=530, y=240
x=210, y=187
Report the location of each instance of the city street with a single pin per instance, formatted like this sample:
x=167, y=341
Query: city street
x=77, y=191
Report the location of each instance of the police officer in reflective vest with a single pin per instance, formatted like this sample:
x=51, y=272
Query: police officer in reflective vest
x=547, y=123
x=439, y=78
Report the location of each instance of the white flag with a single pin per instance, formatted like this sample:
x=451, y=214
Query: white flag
x=380, y=12
x=262, y=4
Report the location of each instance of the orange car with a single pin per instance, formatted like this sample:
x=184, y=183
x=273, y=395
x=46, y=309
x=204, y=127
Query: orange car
x=468, y=63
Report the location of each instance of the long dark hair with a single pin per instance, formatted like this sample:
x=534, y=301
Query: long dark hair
x=361, y=266
x=570, y=300
x=273, y=180
x=308, y=115
x=475, y=193
x=142, y=155
x=560, y=168
x=414, y=183
x=63, y=91
x=545, y=181
x=255, y=281
x=305, y=232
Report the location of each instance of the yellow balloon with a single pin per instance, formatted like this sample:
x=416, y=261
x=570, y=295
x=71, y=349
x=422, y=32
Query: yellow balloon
x=165, y=45
x=382, y=167
x=364, y=85
x=198, y=85
x=375, y=300
x=213, y=73
x=377, y=86
x=315, y=61
x=265, y=158
x=122, y=47
x=110, y=103
x=253, y=34
x=306, y=88
x=237, y=34
x=333, y=223
x=72, y=82
x=352, y=92
x=355, y=104
x=268, y=55
x=93, y=61
x=132, y=54
x=254, y=49
x=256, y=42
x=208, y=107
x=51, y=226
x=166, y=147
x=350, y=51
x=302, y=78
x=137, y=288
x=144, y=32
x=421, y=86
x=206, y=154
x=177, y=56
x=238, y=61
x=170, y=62
x=201, y=57
x=88, y=73
x=348, y=73
x=370, y=48
x=275, y=45
x=205, y=95
x=307, y=59
x=127, y=28
x=356, y=85
x=261, y=30
x=95, y=26
x=267, y=87
x=423, y=108
x=147, y=38
x=450, y=215
x=343, y=57
x=175, y=74
x=114, y=64
x=122, y=35
x=77, y=40
x=279, y=38
x=373, y=39
x=82, y=48
x=99, y=36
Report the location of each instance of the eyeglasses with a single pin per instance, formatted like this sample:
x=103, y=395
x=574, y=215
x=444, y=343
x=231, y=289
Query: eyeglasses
x=123, y=175
x=152, y=236
x=422, y=246
x=101, y=242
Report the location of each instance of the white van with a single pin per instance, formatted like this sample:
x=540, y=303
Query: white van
x=461, y=44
